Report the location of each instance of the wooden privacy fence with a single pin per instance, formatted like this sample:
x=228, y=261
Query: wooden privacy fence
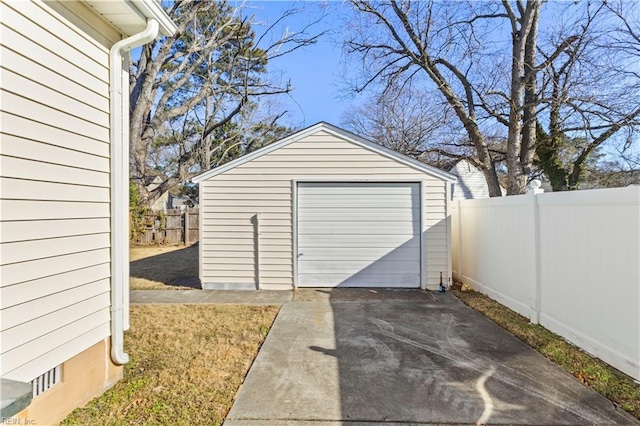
x=566, y=260
x=170, y=227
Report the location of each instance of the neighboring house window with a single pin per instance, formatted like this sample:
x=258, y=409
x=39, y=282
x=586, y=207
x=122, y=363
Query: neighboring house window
x=46, y=381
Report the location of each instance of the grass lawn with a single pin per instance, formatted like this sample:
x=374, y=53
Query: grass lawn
x=187, y=362
x=155, y=267
x=596, y=374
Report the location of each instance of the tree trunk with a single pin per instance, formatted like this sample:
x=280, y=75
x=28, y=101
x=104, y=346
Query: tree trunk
x=493, y=184
x=514, y=171
x=547, y=151
x=529, y=113
x=548, y=146
x=470, y=125
x=523, y=34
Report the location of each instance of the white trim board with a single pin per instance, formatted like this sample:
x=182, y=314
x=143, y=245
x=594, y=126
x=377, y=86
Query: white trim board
x=294, y=230
x=230, y=286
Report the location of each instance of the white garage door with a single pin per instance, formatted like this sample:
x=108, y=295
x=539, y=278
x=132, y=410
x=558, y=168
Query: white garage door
x=359, y=235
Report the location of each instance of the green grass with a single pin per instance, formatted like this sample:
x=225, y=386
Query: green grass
x=604, y=379
x=187, y=363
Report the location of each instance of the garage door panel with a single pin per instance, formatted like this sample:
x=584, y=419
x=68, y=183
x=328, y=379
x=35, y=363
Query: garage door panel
x=362, y=228
x=363, y=266
x=358, y=235
x=350, y=215
x=358, y=280
x=355, y=241
x=362, y=253
x=393, y=188
x=347, y=201
x=400, y=192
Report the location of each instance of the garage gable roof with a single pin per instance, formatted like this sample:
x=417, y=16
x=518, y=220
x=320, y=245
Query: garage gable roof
x=336, y=131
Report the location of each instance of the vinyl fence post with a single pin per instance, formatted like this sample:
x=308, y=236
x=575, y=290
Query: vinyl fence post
x=534, y=190
x=460, y=255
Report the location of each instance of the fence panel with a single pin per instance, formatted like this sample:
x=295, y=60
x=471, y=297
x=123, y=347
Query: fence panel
x=590, y=271
x=498, y=232
x=569, y=260
x=192, y=226
x=171, y=227
x=173, y=231
x=455, y=239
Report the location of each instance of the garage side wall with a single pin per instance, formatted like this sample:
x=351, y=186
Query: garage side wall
x=247, y=212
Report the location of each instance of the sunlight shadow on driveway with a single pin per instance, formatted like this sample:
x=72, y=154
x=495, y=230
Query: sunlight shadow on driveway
x=377, y=359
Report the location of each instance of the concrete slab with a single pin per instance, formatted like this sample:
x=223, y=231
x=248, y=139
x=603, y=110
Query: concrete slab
x=407, y=362
x=259, y=297
x=315, y=423
x=337, y=295
x=14, y=397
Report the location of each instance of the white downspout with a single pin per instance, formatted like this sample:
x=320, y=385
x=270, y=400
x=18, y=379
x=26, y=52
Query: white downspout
x=119, y=138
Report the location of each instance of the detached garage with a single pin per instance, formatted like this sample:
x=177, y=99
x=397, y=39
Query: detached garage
x=324, y=208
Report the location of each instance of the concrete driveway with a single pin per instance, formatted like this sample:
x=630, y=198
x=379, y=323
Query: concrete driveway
x=405, y=357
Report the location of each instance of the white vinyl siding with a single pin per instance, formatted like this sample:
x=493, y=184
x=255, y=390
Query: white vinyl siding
x=54, y=166
x=471, y=182
x=358, y=234
x=264, y=186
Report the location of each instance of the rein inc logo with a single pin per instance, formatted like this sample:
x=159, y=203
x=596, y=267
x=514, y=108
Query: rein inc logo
x=17, y=421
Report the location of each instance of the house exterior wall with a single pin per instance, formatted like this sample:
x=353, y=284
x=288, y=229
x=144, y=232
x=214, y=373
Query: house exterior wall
x=237, y=251
x=84, y=377
x=55, y=197
x=471, y=182
x=162, y=203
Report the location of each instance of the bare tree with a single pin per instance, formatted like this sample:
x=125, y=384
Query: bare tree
x=456, y=46
x=404, y=119
x=585, y=98
x=211, y=73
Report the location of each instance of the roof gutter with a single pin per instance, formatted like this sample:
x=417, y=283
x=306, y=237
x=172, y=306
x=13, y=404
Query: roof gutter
x=119, y=142
x=151, y=9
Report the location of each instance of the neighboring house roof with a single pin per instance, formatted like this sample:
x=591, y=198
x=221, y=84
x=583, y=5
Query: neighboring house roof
x=152, y=182
x=336, y=131
x=131, y=17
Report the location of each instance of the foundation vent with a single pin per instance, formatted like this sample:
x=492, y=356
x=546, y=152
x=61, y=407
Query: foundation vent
x=47, y=381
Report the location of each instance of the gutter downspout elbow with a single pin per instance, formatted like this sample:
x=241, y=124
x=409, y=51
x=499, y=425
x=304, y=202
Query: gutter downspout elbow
x=119, y=145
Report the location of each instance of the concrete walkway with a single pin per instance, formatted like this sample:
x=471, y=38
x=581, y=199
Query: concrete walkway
x=260, y=297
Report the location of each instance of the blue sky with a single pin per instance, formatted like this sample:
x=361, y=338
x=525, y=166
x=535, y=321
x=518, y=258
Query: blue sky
x=315, y=70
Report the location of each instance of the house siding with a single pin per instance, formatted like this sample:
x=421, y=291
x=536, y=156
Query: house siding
x=230, y=201
x=471, y=182
x=54, y=178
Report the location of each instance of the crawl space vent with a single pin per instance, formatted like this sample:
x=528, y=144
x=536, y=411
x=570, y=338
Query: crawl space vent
x=46, y=381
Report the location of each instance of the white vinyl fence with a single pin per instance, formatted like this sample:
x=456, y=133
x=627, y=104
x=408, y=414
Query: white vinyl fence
x=569, y=261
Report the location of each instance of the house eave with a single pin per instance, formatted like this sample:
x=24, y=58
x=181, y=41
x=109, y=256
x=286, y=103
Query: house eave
x=131, y=16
